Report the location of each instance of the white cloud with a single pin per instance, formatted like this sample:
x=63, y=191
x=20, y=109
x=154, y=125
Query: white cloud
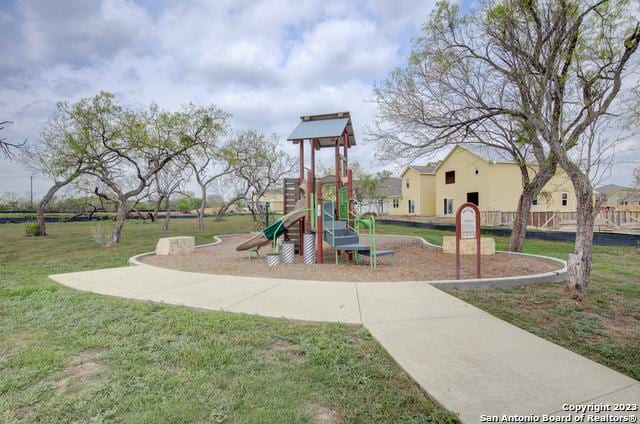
x=77, y=32
x=267, y=62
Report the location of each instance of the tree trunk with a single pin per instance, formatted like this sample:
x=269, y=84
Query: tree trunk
x=42, y=226
x=252, y=209
x=121, y=216
x=519, y=231
x=223, y=210
x=42, y=205
x=530, y=190
x=579, y=263
x=203, y=205
x=90, y=215
x=167, y=216
x=156, y=210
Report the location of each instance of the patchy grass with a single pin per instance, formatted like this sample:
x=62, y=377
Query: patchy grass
x=67, y=356
x=604, y=327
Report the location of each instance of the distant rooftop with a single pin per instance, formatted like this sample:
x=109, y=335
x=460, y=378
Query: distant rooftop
x=325, y=129
x=426, y=169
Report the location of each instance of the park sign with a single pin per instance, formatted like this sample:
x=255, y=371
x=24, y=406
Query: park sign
x=467, y=227
x=468, y=223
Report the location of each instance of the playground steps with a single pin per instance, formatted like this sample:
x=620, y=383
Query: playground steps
x=345, y=239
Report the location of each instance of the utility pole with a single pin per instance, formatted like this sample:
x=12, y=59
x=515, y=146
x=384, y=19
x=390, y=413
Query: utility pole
x=31, y=190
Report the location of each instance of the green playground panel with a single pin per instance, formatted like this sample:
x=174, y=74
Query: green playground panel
x=343, y=203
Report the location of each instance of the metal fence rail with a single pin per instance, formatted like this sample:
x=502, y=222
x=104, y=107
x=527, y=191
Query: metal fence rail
x=606, y=220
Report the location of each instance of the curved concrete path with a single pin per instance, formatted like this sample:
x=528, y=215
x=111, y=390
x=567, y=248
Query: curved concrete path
x=465, y=359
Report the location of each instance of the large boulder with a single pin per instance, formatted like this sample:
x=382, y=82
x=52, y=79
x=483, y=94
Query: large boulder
x=468, y=246
x=175, y=245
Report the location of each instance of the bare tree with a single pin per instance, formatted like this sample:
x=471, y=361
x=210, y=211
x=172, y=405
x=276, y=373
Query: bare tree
x=258, y=166
x=262, y=165
x=209, y=164
x=446, y=96
x=552, y=68
x=581, y=53
x=6, y=148
x=170, y=180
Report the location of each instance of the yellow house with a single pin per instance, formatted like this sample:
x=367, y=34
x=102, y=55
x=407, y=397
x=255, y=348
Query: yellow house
x=490, y=179
x=478, y=174
x=418, y=191
x=275, y=199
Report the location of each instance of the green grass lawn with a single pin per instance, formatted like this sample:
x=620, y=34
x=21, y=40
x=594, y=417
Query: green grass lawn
x=67, y=356
x=604, y=327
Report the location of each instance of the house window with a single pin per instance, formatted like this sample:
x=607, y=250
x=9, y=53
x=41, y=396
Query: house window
x=448, y=207
x=411, y=206
x=406, y=182
x=450, y=177
x=380, y=205
x=565, y=199
x=534, y=202
x=476, y=170
x=396, y=203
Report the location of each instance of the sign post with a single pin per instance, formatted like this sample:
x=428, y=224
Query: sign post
x=467, y=227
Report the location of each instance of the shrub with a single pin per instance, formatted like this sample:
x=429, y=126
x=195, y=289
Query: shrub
x=32, y=229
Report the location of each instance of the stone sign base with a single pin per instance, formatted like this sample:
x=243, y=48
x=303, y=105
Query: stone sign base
x=468, y=246
x=175, y=245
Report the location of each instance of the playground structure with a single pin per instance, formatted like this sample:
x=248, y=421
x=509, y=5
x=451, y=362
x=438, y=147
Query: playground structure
x=330, y=217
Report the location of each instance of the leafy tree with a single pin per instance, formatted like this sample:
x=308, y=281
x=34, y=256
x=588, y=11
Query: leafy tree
x=59, y=156
x=145, y=143
x=123, y=150
x=369, y=188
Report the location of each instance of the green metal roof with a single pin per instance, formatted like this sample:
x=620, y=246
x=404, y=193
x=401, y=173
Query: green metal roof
x=324, y=128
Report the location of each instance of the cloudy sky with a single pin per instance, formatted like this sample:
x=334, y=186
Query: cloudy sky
x=267, y=62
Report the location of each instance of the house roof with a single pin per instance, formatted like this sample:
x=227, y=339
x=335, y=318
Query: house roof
x=391, y=187
x=486, y=153
x=429, y=168
x=617, y=192
x=611, y=188
x=325, y=129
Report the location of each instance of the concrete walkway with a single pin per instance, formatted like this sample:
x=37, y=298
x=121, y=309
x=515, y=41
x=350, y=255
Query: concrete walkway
x=466, y=359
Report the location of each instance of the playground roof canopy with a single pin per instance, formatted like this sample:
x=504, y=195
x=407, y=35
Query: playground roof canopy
x=325, y=129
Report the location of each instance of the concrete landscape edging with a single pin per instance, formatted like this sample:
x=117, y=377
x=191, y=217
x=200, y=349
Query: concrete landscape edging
x=470, y=283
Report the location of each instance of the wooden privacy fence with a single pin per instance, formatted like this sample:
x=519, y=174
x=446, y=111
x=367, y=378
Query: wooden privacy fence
x=606, y=219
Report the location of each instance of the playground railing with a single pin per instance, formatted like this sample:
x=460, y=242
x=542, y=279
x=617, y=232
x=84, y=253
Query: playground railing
x=353, y=218
x=326, y=217
x=370, y=224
